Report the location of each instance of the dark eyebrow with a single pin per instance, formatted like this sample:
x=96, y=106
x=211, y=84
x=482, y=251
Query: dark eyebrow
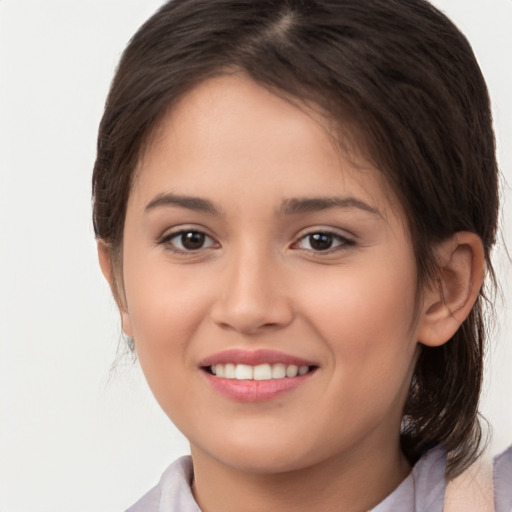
x=196, y=204
x=314, y=204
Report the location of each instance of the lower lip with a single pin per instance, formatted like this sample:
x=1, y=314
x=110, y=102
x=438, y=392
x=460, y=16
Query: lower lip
x=255, y=390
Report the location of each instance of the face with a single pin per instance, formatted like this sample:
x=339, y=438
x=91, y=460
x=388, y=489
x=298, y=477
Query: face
x=269, y=283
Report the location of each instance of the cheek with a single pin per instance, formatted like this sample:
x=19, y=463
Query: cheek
x=368, y=331
x=164, y=310
x=366, y=300
x=365, y=315
x=165, y=314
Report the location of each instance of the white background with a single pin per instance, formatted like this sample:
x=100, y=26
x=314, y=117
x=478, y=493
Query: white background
x=74, y=435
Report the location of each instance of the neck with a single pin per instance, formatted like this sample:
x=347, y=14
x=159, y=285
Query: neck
x=352, y=482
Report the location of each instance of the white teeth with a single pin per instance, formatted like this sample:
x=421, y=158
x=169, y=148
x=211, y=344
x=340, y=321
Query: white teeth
x=229, y=371
x=278, y=371
x=259, y=372
x=243, y=372
x=262, y=372
x=292, y=370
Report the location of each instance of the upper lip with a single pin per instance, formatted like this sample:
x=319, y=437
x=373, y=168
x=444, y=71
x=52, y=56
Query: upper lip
x=254, y=358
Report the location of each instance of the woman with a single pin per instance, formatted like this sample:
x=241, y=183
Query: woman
x=295, y=204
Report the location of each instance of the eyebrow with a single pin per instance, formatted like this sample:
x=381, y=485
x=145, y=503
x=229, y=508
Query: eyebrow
x=288, y=207
x=196, y=204
x=315, y=204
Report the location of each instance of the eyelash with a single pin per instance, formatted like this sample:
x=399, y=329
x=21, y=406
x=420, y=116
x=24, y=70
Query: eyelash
x=343, y=242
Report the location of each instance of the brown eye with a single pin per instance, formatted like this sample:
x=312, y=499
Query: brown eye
x=188, y=241
x=192, y=240
x=320, y=241
x=323, y=241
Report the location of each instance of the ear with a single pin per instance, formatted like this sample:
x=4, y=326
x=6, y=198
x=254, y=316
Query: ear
x=448, y=302
x=108, y=271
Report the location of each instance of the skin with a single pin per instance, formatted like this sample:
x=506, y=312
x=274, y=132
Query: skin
x=258, y=282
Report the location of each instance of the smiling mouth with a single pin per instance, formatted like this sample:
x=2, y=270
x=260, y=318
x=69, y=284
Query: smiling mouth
x=258, y=372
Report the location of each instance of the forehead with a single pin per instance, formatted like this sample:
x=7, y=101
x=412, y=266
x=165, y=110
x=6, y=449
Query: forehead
x=229, y=134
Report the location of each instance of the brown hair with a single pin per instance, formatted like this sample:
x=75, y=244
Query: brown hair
x=405, y=76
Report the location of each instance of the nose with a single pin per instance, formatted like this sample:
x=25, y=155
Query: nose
x=253, y=295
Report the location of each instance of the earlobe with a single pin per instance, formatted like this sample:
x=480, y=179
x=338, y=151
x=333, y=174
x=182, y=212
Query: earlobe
x=447, y=303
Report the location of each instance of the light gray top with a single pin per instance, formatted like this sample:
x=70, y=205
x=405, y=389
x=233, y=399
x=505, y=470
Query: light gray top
x=503, y=481
x=422, y=491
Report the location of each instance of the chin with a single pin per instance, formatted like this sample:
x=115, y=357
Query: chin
x=263, y=454
x=265, y=463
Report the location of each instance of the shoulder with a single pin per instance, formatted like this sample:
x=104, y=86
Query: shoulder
x=483, y=486
x=502, y=480
x=172, y=492
x=423, y=490
x=426, y=488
